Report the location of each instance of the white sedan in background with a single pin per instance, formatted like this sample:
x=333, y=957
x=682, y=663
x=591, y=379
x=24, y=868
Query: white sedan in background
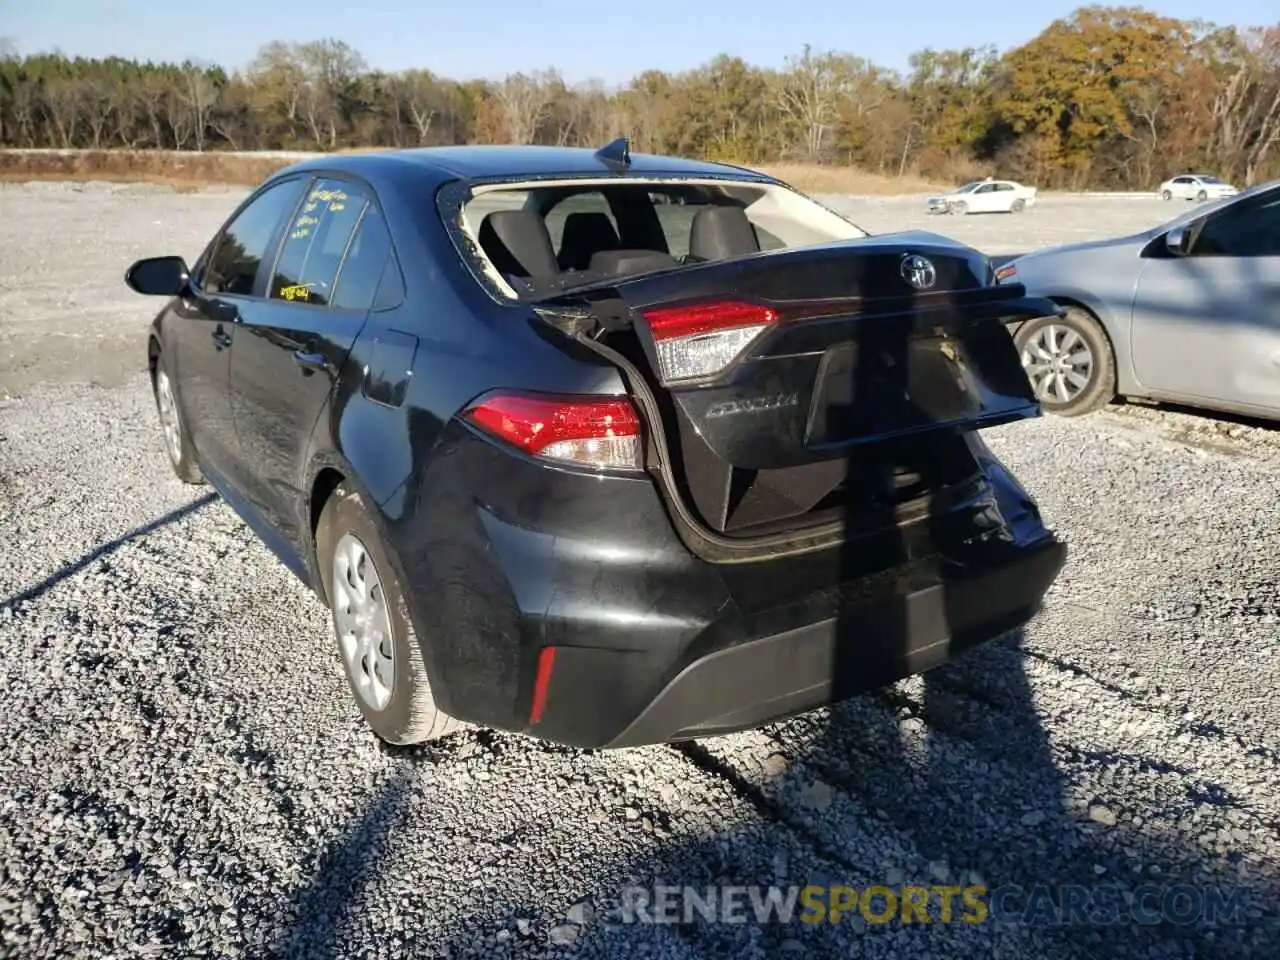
x=985, y=196
x=1196, y=186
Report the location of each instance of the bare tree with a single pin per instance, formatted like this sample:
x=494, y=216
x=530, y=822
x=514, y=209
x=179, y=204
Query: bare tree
x=808, y=93
x=197, y=94
x=329, y=68
x=62, y=104
x=523, y=101
x=420, y=96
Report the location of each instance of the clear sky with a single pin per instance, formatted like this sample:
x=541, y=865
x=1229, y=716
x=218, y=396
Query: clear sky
x=605, y=39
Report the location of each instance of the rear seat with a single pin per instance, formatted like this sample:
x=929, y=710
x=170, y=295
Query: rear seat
x=518, y=244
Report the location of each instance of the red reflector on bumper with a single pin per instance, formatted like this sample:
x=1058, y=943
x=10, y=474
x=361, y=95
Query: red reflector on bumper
x=546, y=661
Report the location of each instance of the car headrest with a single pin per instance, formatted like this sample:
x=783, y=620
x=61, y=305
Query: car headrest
x=721, y=232
x=585, y=233
x=518, y=244
x=620, y=263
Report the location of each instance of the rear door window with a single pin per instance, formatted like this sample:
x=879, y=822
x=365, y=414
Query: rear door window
x=233, y=263
x=307, y=267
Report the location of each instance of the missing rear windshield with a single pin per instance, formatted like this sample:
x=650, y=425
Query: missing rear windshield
x=531, y=240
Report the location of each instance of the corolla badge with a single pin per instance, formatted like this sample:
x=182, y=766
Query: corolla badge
x=917, y=271
x=728, y=408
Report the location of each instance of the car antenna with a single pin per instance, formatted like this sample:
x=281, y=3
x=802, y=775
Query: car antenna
x=616, y=154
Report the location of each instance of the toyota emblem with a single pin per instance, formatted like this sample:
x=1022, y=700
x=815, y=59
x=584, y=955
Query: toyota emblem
x=918, y=271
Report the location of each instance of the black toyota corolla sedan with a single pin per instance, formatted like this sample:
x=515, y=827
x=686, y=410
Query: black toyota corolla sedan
x=607, y=448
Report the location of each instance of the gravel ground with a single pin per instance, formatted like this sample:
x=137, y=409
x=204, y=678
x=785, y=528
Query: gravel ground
x=184, y=773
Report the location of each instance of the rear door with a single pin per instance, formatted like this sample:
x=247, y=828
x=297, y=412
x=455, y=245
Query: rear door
x=295, y=339
x=207, y=322
x=772, y=370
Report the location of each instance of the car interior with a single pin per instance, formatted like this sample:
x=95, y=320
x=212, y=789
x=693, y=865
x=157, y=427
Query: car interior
x=544, y=238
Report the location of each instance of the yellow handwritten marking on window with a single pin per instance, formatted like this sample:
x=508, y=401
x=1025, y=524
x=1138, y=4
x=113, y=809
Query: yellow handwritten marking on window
x=326, y=196
x=309, y=207
x=334, y=207
x=305, y=221
x=299, y=234
x=297, y=291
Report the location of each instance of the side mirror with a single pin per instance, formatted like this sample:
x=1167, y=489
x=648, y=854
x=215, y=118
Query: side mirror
x=1178, y=241
x=159, y=276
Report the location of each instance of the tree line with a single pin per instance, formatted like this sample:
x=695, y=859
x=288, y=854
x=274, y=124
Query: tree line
x=1106, y=97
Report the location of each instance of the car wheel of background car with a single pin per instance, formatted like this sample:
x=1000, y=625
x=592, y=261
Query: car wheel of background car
x=1019, y=205
x=177, y=441
x=1166, y=194
x=376, y=640
x=1068, y=361
x=960, y=207
x=1202, y=196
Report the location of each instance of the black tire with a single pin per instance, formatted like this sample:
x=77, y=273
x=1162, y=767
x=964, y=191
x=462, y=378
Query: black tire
x=1166, y=194
x=410, y=715
x=1101, y=385
x=1019, y=205
x=182, y=455
x=1202, y=196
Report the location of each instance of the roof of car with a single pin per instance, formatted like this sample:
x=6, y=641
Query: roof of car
x=512, y=162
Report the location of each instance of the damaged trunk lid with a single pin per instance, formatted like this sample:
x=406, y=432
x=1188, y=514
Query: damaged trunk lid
x=797, y=383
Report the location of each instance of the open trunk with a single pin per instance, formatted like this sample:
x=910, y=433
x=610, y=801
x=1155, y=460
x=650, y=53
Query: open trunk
x=820, y=383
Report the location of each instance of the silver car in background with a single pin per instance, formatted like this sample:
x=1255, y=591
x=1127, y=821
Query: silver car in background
x=1186, y=312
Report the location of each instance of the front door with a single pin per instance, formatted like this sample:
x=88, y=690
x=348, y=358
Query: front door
x=204, y=324
x=1206, y=326
x=293, y=342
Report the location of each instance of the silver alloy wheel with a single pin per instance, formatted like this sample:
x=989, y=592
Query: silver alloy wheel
x=1058, y=362
x=363, y=622
x=169, y=421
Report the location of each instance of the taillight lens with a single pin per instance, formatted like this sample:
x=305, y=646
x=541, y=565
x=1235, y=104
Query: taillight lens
x=698, y=340
x=600, y=432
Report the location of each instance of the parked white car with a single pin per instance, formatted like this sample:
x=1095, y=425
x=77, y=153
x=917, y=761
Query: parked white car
x=1196, y=186
x=985, y=196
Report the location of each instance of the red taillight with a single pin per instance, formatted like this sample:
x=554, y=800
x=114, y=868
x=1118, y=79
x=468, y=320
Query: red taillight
x=602, y=432
x=700, y=339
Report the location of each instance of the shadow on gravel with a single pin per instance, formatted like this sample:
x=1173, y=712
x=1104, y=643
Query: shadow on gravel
x=105, y=549
x=953, y=786
x=346, y=868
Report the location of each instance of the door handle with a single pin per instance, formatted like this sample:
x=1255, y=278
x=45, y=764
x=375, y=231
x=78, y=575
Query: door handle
x=310, y=362
x=221, y=338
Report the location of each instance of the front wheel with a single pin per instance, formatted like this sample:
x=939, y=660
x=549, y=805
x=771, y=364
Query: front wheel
x=380, y=653
x=173, y=427
x=1068, y=361
x=960, y=207
x=1202, y=196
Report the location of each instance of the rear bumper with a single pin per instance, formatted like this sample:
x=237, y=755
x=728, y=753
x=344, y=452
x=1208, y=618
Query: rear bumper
x=913, y=621
x=504, y=559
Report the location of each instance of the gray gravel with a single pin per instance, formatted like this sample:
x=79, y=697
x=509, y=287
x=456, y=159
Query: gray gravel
x=184, y=774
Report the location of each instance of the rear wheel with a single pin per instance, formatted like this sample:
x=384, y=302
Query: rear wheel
x=1019, y=205
x=379, y=649
x=1166, y=194
x=177, y=440
x=1068, y=361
